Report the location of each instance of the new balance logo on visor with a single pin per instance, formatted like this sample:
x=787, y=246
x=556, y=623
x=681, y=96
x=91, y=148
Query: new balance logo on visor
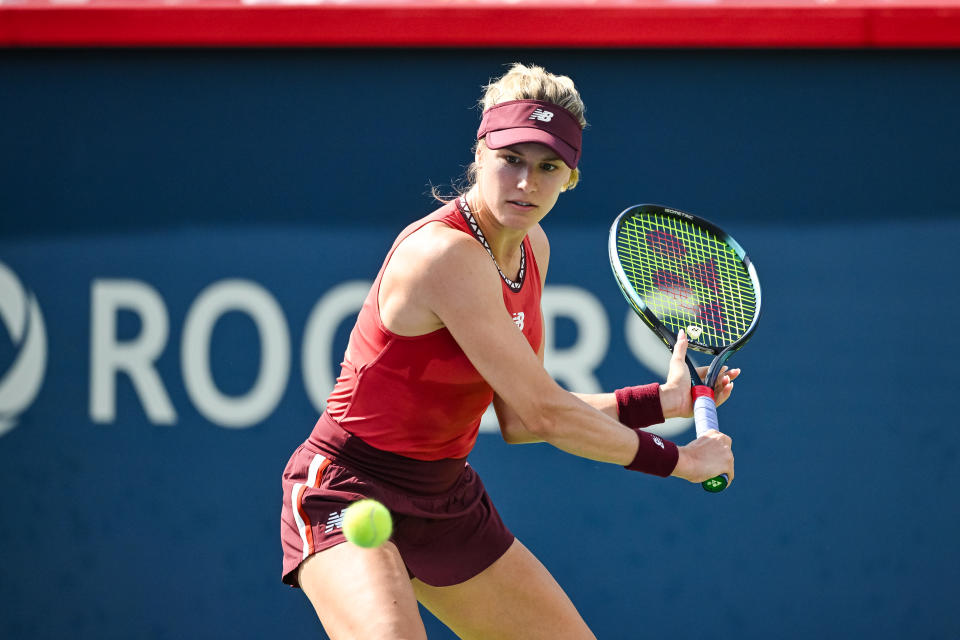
x=335, y=521
x=542, y=115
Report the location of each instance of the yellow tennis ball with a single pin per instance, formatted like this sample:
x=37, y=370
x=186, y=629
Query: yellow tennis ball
x=367, y=523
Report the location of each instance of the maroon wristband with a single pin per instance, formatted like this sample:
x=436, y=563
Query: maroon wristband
x=655, y=455
x=639, y=407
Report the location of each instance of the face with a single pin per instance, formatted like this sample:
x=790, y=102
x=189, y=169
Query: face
x=520, y=184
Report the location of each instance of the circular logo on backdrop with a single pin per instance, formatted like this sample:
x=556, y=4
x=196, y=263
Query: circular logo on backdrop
x=21, y=379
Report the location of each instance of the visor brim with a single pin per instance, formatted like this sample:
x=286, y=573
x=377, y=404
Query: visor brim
x=519, y=135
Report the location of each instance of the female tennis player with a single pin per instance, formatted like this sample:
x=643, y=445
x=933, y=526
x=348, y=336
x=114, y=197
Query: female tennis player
x=451, y=324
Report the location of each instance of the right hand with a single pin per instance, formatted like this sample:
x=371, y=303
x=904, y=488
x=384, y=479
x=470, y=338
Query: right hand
x=675, y=398
x=706, y=457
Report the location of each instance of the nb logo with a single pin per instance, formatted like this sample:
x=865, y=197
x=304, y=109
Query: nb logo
x=518, y=319
x=657, y=441
x=542, y=115
x=20, y=381
x=335, y=521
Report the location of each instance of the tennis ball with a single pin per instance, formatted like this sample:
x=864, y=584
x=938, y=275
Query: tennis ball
x=367, y=523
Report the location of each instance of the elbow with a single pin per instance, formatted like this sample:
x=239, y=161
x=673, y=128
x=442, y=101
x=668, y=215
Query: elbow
x=539, y=419
x=524, y=431
x=542, y=425
x=518, y=437
x=516, y=432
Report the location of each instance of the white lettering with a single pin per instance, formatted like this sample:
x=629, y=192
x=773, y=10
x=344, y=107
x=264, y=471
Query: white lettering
x=575, y=365
x=135, y=357
x=318, y=360
x=250, y=298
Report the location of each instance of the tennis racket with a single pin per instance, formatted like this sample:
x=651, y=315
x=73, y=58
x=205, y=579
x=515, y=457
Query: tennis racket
x=679, y=271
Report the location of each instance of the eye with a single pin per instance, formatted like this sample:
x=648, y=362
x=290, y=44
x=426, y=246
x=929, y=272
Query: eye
x=546, y=166
x=512, y=159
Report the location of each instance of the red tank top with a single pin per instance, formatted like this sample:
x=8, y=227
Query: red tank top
x=419, y=396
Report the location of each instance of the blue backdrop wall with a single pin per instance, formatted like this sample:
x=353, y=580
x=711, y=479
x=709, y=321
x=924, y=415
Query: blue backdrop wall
x=184, y=236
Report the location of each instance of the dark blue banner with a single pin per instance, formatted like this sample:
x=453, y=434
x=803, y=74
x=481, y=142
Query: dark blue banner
x=186, y=238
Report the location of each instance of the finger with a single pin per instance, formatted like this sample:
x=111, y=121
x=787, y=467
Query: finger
x=724, y=380
x=702, y=372
x=680, y=348
x=679, y=351
x=728, y=445
x=677, y=372
x=733, y=373
x=723, y=394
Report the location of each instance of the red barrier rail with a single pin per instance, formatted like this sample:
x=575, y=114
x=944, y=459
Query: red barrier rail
x=481, y=23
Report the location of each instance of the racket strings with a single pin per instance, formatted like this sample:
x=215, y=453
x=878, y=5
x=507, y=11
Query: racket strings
x=687, y=276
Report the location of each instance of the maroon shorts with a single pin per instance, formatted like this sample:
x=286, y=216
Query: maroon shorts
x=444, y=523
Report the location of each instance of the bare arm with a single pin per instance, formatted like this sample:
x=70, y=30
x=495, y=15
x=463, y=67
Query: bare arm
x=441, y=277
x=515, y=432
x=675, y=399
x=465, y=294
x=672, y=396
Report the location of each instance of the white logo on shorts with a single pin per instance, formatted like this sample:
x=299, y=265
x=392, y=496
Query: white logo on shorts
x=542, y=115
x=657, y=441
x=335, y=521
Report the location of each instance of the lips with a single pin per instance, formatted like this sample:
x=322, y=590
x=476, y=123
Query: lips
x=521, y=203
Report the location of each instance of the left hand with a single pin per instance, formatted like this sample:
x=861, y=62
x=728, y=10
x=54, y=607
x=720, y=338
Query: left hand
x=675, y=397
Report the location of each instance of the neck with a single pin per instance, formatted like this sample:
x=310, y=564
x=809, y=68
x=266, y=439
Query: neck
x=507, y=267
x=505, y=243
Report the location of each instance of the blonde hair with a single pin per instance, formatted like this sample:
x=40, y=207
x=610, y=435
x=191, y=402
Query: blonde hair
x=524, y=82
x=529, y=82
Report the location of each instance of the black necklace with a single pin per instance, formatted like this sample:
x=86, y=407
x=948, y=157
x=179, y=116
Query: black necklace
x=478, y=234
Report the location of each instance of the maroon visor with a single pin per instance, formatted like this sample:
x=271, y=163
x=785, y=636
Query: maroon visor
x=520, y=121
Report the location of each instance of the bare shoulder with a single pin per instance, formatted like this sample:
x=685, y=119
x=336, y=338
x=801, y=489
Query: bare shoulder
x=436, y=247
x=428, y=273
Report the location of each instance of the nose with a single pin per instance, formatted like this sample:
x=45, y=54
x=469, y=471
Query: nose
x=526, y=181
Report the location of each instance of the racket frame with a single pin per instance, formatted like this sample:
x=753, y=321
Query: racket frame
x=705, y=411
x=666, y=335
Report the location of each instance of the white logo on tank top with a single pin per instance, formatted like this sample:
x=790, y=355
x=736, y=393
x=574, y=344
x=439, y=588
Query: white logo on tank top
x=518, y=319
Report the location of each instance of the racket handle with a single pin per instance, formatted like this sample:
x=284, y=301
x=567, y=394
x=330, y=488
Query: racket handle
x=705, y=419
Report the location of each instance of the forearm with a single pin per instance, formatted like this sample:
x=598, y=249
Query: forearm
x=648, y=453
x=636, y=407
x=606, y=403
x=577, y=425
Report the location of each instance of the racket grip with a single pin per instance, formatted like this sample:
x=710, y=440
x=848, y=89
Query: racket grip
x=705, y=419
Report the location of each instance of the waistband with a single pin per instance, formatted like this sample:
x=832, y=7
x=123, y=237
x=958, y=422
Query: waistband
x=423, y=477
